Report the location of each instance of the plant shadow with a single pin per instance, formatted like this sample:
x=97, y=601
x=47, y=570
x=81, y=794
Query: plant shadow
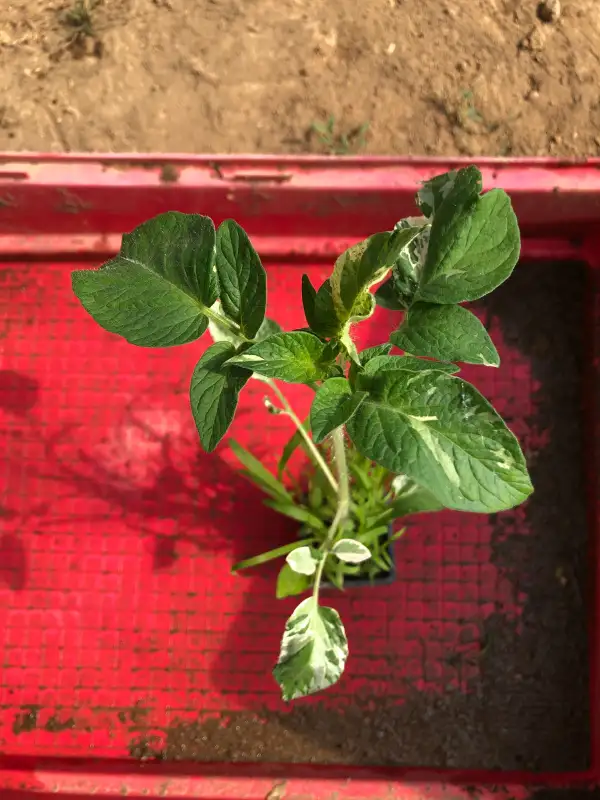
x=19, y=394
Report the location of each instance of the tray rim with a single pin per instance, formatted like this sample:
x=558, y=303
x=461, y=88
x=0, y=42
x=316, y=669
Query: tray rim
x=33, y=181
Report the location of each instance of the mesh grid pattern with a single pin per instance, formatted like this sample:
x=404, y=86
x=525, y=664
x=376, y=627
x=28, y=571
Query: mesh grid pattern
x=117, y=537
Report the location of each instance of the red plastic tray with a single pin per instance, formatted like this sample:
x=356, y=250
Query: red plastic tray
x=116, y=538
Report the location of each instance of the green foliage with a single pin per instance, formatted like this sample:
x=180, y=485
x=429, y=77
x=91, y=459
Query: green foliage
x=446, y=333
x=443, y=434
x=242, y=279
x=334, y=404
x=296, y=357
x=214, y=392
x=473, y=245
x=156, y=292
x=420, y=438
x=313, y=651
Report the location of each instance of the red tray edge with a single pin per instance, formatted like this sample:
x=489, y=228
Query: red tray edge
x=45, y=175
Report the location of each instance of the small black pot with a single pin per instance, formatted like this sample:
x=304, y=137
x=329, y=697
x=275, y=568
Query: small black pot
x=383, y=579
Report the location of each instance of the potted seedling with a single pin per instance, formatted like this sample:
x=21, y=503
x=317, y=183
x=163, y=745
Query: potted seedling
x=388, y=435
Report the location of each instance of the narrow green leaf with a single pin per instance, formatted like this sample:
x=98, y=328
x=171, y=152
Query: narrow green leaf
x=448, y=333
x=313, y=651
x=439, y=431
x=297, y=512
x=373, y=534
x=309, y=297
x=259, y=473
x=473, y=246
x=398, y=534
x=214, y=391
x=351, y=551
x=290, y=583
x=242, y=278
x=154, y=292
x=433, y=192
x=270, y=555
x=293, y=357
x=411, y=498
x=297, y=440
x=301, y=561
x=333, y=405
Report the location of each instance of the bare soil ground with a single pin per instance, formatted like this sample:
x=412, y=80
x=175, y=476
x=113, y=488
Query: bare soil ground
x=439, y=77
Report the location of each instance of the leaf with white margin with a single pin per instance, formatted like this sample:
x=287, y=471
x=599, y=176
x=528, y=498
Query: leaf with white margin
x=440, y=432
x=351, y=551
x=313, y=651
x=301, y=560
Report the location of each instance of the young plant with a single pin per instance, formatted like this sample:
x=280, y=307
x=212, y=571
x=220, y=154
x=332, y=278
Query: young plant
x=387, y=435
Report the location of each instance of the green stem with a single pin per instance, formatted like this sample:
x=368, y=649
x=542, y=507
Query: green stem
x=228, y=324
x=343, y=509
x=339, y=453
x=289, y=411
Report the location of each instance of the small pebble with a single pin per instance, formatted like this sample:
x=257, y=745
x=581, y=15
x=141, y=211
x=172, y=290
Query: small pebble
x=549, y=10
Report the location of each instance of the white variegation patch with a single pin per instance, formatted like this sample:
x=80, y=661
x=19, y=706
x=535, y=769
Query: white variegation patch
x=313, y=651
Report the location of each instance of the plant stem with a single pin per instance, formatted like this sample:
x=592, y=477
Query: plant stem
x=343, y=493
x=339, y=453
x=228, y=324
x=309, y=442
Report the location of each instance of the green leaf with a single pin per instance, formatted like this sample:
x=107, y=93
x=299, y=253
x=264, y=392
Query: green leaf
x=293, y=357
x=351, y=551
x=368, y=355
x=408, y=269
x=379, y=364
x=301, y=561
x=333, y=405
x=365, y=356
x=297, y=440
x=318, y=309
x=242, y=278
x=214, y=391
x=270, y=555
x=411, y=498
x=441, y=433
x=309, y=298
x=362, y=266
x=259, y=474
x=299, y=513
x=448, y=333
x=373, y=352
x=385, y=296
x=473, y=246
x=433, y=192
x=313, y=651
x=290, y=583
x=220, y=333
x=155, y=291
x=398, y=534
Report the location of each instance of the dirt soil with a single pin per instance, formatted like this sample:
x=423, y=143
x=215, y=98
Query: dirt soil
x=435, y=77
x=529, y=706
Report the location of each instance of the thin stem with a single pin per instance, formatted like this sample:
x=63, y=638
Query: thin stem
x=343, y=493
x=309, y=442
x=339, y=453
